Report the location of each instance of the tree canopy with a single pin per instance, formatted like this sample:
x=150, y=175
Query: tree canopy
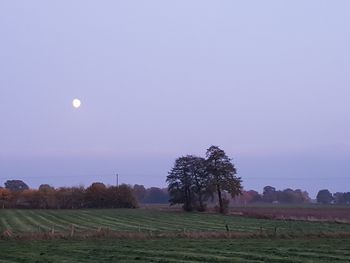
x=95, y=196
x=222, y=174
x=16, y=185
x=324, y=197
x=194, y=179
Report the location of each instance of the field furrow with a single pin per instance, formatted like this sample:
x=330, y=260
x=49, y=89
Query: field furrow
x=134, y=220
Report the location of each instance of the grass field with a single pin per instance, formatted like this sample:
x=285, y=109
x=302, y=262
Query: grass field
x=177, y=250
x=297, y=241
x=143, y=220
x=310, y=212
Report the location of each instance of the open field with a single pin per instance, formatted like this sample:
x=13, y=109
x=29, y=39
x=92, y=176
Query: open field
x=311, y=212
x=153, y=221
x=153, y=235
x=177, y=250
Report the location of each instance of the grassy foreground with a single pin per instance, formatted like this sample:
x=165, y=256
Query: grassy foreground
x=143, y=220
x=298, y=247
x=177, y=250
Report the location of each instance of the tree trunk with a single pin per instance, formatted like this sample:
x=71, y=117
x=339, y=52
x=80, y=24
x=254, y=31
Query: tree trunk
x=187, y=199
x=201, y=206
x=220, y=199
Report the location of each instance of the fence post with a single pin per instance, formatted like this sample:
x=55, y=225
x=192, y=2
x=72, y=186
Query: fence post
x=72, y=230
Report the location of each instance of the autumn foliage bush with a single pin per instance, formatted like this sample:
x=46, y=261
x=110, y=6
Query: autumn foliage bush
x=96, y=195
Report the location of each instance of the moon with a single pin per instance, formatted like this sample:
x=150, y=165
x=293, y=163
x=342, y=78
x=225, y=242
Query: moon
x=76, y=103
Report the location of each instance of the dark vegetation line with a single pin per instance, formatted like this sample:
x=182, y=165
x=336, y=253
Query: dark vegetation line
x=194, y=182
x=17, y=194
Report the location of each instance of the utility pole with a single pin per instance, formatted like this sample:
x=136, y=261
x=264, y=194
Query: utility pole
x=117, y=180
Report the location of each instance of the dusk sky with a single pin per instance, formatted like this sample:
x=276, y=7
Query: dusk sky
x=267, y=81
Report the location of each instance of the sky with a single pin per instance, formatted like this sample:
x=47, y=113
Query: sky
x=267, y=81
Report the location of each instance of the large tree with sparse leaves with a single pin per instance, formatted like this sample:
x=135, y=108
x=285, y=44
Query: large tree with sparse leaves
x=194, y=179
x=222, y=175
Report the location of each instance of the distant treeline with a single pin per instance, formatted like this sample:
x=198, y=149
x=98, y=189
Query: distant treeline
x=290, y=196
x=326, y=197
x=271, y=195
x=152, y=195
x=17, y=194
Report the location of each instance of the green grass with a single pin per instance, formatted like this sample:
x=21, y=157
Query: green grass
x=165, y=249
x=177, y=250
x=128, y=220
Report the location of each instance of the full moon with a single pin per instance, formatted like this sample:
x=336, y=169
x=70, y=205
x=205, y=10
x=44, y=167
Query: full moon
x=76, y=103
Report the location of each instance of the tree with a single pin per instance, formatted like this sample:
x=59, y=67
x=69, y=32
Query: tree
x=338, y=197
x=180, y=184
x=324, y=197
x=341, y=198
x=140, y=192
x=346, y=198
x=287, y=196
x=30, y=199
x=248, y=197
x=96, y=195
x=303, y=196
x=222, y=175
x=200, y=181
x=124, y=196
x=5, y=195
x=16, y=185
x=189, y=183
x=290, y=196
x=269, y=194
x=63, y=196
x=155, y=195
x=47, y=195
x=77, y=197
x=46, y=187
